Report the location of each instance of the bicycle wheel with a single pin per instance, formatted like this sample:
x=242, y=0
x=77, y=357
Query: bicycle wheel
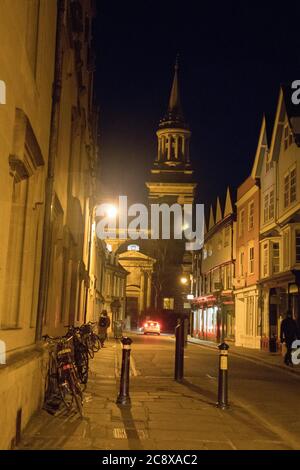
x=66, y=391
x=89, y=346
x=81, y=358
x=76, y=391
x=51, y=380
x=96, y=343
x=82, y=364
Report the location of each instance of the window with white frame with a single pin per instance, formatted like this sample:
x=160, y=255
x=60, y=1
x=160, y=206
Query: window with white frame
x=242, y=256
x=265, y=259
x=275, y=257
x=293, y=186
x=242, y=222
x=286, y=197
x=269, y=205
x=251, y=259
x=286, y=249
x=266, y=207
x=290, y=187
x=251, y=215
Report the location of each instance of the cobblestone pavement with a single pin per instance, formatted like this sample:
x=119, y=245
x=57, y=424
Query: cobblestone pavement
x=163, y=415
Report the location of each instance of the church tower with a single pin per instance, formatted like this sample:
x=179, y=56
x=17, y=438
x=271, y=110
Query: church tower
x=172, y=174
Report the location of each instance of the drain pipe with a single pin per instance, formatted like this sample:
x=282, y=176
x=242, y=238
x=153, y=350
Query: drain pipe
x=53, y=143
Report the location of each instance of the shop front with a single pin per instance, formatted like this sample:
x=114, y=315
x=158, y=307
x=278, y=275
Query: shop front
x=205, y=313
x=248, y=318
x=279, y=295
x=212, y=315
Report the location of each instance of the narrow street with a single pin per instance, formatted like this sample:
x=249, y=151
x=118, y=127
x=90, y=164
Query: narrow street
x=167, y=415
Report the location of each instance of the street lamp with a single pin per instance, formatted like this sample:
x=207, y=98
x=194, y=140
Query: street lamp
x=111, y=211
x=184, y=280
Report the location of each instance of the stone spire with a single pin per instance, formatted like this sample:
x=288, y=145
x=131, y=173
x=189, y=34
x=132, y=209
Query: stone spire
x=218, y=211
x=174, y=101
x=174, y=116
x=228, y=204
x=171, y=174
x=211, y=219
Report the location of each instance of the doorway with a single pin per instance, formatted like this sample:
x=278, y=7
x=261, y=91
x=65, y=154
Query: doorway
x=132, y=310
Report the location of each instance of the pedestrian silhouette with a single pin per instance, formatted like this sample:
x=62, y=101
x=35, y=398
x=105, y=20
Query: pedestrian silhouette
x=288, y=334
x=104, y=323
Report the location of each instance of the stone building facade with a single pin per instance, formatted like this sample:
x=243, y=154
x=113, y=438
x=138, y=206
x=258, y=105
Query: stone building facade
x=47, y=169
x=213, y=273
x=139, y=283
x=247, y=312
x=278, y=171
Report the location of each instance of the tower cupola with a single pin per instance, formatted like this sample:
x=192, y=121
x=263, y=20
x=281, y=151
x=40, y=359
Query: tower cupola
x=173, y=131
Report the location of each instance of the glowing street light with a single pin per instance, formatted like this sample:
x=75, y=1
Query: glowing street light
x=184, y=280
x=111, y=211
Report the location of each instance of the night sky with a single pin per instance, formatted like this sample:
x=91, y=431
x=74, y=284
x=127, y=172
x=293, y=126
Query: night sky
x=233, y=58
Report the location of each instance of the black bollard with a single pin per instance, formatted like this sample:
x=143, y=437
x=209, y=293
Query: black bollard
x=124, y=398
x=223, y=377
x=179, y=350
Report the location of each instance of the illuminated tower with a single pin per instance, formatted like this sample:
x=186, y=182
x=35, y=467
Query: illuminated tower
x=171, y=175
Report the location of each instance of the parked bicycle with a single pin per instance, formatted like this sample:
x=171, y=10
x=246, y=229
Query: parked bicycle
x=81, y=354
x=63, y=371
x=68, y=368
x=90, y=338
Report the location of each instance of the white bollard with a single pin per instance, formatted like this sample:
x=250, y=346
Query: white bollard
x=2, y=353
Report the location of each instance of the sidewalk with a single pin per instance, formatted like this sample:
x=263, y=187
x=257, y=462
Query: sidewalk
x=163, y=415
x=255, y=355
